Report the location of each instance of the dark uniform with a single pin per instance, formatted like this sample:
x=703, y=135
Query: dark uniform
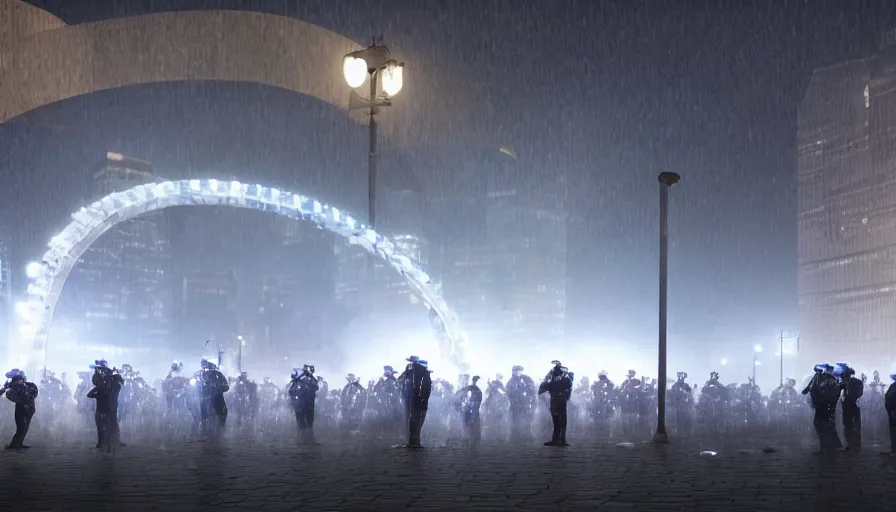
x=890, y=406
x=23, y=394
x=353, y=400
x=470, y=403
x=824, y=391
x=303, y=393
x=107, y=385
x=559, y=384
x=852, y=414
x=417, y=388
x=212, y=384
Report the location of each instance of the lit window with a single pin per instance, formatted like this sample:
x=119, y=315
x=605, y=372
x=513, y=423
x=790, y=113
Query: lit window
x=867, y=95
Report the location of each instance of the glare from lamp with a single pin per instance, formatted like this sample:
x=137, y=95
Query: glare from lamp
x=757, y=348
x=393, y=78
x=355, y=71
x=32, y=270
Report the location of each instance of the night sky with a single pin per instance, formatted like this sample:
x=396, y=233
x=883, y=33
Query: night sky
x=607, y=92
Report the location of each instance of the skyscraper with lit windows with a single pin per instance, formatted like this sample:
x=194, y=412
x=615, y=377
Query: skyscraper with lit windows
x=846, y=203
x=503, y=257
x=120, y=292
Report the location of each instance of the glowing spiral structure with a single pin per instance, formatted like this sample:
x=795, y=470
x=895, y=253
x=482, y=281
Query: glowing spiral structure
x=47, y=277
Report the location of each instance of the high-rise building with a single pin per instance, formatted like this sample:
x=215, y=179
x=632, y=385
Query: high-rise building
x=847, y=211
x=297, y=291
x=120, y=291
x=350, y=277
x=401, y=215
x=526, y=235
x=6, y=307
x=208, y=308
x=503, y=254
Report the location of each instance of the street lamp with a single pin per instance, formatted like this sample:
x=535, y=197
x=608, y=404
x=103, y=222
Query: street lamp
x=239, y=358
x=757, y=349
x=666, y=179
x=376, y=62
x=782, y=352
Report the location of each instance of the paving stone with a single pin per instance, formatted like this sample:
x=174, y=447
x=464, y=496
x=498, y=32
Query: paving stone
x=243, y=476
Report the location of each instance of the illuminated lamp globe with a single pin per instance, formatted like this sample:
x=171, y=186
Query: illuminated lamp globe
x=355, y=71
x=393, y=78
x=32, y=270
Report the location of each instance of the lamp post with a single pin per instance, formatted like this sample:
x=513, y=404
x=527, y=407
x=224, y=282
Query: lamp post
x=374, y=62
x=756, y=350
x=781, y=359
x=781, y=338
x=666, y=179
x=239, y=356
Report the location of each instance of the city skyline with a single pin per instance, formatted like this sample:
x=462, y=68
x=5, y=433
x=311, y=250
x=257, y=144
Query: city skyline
x=730, y=255
x=255, y=240
x=284, y=311
x=121, y=286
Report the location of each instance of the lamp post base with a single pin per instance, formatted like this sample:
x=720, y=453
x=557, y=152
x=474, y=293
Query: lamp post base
x=660, y=438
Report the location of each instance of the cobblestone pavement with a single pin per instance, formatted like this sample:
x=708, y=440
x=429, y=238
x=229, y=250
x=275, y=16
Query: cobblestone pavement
x=374, y=476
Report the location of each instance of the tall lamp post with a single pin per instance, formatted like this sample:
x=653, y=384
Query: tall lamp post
x=666, y=179
x=374, y=62
x=221, y=353
x=239, y=358
x=757, y=349
x=781, y=352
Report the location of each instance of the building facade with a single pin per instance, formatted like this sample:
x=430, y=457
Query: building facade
x=847, y=212
x=296, y=296
x=526, y=237
x=121, y=290
x=6, y=304
x=401, y=215
x=502, y=259
x=208, y=308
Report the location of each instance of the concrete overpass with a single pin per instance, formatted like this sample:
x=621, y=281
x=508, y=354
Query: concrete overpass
x=43, y=60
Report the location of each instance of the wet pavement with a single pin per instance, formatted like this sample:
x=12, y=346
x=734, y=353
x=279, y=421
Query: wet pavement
x=374, y=476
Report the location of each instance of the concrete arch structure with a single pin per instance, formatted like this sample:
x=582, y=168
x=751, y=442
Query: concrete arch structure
x=89, y=223
x=43, y=60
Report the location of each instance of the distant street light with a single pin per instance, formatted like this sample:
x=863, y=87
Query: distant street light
x=376, y=62
x=757, y=349
x=667, y=180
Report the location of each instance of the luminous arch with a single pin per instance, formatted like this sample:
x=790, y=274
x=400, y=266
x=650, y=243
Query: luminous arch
x=89, y=223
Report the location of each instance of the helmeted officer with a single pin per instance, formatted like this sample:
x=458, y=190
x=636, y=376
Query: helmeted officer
x=559, y=384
